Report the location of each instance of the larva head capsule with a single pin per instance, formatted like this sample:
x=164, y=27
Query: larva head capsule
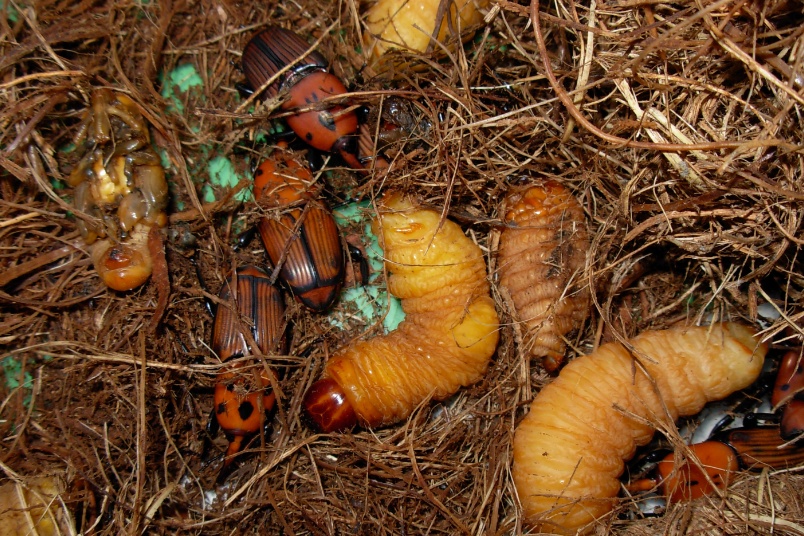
x=327, y=409
x=308, y=82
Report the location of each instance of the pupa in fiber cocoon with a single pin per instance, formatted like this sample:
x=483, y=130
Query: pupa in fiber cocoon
x=540, y=259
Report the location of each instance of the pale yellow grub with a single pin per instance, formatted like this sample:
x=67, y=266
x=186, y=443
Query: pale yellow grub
x=34, y=507
x=570, y=450
x=409, y=24
x=450, y=331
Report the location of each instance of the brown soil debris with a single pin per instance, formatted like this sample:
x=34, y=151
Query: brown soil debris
x=677, y=126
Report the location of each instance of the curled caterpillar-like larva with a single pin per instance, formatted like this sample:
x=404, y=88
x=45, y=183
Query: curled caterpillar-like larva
x=446, y=340
x=541, y=256
x=570, y=449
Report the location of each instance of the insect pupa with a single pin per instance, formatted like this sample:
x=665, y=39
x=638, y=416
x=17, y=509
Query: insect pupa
x=541, y=255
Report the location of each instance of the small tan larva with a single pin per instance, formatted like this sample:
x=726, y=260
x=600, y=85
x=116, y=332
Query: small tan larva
x=570, y=449
x=541, y=257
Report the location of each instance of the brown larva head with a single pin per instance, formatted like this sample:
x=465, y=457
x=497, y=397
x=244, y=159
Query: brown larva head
x=327, y=409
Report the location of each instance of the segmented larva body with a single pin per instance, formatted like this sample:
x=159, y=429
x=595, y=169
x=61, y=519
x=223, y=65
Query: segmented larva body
x=570, y=449
x=542, y=255
x=401, y=24
x=450, y=329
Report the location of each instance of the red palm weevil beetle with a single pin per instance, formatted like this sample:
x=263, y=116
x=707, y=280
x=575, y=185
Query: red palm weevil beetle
x=788, y=391
x=303, y=240
x=307, y=82
x=718, y=460
x=248, y=302
x=751, y=446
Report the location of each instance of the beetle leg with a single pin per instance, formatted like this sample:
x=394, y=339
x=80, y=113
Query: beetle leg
x=793, y=419
x=315, y=160
x=208, y=303
x=244, y=239
x=356, y=254
x=244, y=90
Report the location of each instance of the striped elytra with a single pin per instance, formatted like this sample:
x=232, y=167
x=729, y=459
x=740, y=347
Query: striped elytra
x=446, y=340
x=272, y=50
x=570, y=449
x=248, y=300
x=762, y=446
x=309, y=252
x=541, y=258
x=249, y=303
x=328, y=127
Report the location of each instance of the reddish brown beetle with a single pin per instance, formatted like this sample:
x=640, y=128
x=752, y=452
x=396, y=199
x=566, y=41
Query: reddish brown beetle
x=303, y=240
x=307, y=82
x=717, y=460
x=788, y=389
x=256, y=305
